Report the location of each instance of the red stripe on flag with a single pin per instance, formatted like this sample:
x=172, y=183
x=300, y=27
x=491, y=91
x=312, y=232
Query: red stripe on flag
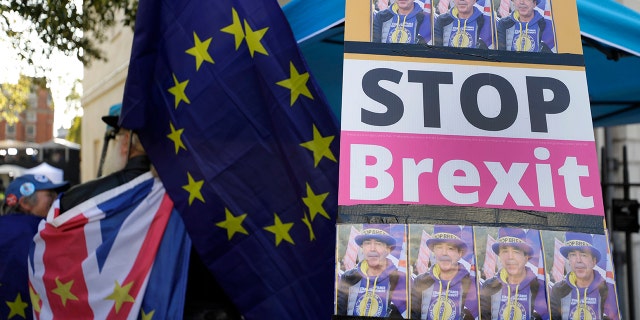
x=351, y=255
x=490, y=260
x=558, y=261
x=424, y=253
x=146, y=256
x=443, y=6
x=65, y=249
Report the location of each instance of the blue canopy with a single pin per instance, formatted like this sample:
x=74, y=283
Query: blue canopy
x=610, y=36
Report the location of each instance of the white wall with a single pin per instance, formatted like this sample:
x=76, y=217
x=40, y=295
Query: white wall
x=103, y=87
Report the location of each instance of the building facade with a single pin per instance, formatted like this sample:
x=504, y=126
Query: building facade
x=36, y=122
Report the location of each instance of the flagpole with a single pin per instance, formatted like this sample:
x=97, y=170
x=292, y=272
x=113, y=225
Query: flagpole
x=628, y=244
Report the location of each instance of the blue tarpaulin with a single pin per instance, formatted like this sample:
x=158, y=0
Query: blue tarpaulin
x=611, y=43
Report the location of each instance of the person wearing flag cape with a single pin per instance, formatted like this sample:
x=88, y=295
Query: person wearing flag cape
x=111, y=230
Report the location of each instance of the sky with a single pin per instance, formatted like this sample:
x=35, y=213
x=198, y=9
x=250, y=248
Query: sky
x=62, y=73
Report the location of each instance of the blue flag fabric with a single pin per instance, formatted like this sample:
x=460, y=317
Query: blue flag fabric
x=245, y=145
x=16, y=235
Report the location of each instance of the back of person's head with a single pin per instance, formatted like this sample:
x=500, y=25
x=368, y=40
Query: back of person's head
x=114, y=126
x=123, y=145
x=21, y=194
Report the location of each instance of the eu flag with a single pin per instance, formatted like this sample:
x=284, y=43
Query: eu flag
x=246, y=146
x=17, y=232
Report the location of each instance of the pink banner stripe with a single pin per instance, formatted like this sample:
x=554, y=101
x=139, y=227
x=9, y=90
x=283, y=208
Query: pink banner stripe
x=524, y=174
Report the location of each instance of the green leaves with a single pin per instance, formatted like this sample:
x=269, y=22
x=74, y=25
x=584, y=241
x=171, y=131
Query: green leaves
x=63, y=25
x=14, y=99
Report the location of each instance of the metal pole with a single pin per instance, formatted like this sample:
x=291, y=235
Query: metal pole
x=110, y=134
x=604, y=184
x=628, y=249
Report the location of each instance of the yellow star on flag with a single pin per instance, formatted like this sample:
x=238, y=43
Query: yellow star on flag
x=64, y=291
x=200, y=51
x=120, y=295
x=235, y=28
x=194, y=189
x=176, y=137
x=35, y=299
x=178, y=91
x=297, y=83
x=232, y=223
x=305, y=220
x=320, y=147
x=17, y=307
x=281, y=230
x=253, y=39
x=314, y=203
x=146, y=316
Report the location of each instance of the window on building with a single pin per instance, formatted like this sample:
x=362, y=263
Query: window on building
x=10, y=131
x=30, y=131
x=32, y=100
x=31, y=115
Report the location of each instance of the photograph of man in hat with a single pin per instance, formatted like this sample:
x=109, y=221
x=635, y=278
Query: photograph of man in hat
x=446, y=290
x=526, y=29
x=403, y=21
x=375, y=287
x=515, y=292
x=464, y=26
x=584, y=293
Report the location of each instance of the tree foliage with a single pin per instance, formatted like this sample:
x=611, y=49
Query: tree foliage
x=14, y=98
x=64, y=25
x=75, y=131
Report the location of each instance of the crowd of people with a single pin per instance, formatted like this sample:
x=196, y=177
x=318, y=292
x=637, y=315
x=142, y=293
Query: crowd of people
x=464, y=24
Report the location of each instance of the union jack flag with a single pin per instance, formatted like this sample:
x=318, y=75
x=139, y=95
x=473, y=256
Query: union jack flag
x=490, y=260
x=351, y=255
x=558, y=261
x=443, y=6
x=97, y=260
x=424, y=254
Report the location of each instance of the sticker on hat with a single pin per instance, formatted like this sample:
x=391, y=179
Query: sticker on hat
x=27, y=189
x=41, y=178
x=11, y=200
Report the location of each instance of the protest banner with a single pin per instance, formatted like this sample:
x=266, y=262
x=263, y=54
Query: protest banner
x=468, y=119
